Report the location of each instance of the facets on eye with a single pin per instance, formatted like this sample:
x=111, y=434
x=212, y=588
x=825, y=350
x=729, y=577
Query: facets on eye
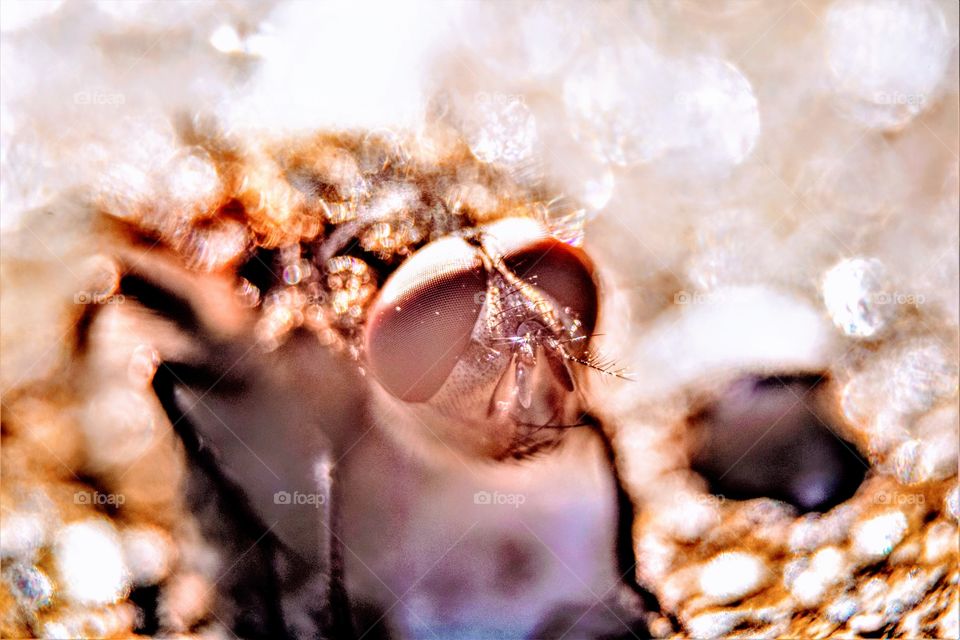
x=564, y=273
x=426, y=312
x=423, y=319
x=772, y=437
x=481, y=335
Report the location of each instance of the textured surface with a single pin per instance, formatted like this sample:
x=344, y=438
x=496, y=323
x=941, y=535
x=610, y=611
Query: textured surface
x=768, y=189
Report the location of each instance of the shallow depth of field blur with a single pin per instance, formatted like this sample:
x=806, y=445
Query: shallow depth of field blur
x=767, y=184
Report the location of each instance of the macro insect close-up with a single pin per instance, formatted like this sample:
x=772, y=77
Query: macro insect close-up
x=455, y=320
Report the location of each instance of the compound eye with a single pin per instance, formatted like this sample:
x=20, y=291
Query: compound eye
x=423, y=318
x=564, y=273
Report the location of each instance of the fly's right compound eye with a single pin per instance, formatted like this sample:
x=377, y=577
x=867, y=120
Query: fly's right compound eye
x=480, y=334
x=423, y=318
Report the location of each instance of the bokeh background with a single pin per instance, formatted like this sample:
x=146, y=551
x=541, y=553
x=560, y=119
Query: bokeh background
x=769, y=185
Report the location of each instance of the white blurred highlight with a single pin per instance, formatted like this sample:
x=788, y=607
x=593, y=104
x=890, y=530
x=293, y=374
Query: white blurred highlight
x=317, y=73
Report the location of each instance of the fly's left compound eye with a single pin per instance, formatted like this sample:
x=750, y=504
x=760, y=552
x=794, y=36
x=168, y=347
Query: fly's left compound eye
x=480, y=332
x=565, y=274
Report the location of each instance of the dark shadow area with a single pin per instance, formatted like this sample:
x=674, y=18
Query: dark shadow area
x=773, y=437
